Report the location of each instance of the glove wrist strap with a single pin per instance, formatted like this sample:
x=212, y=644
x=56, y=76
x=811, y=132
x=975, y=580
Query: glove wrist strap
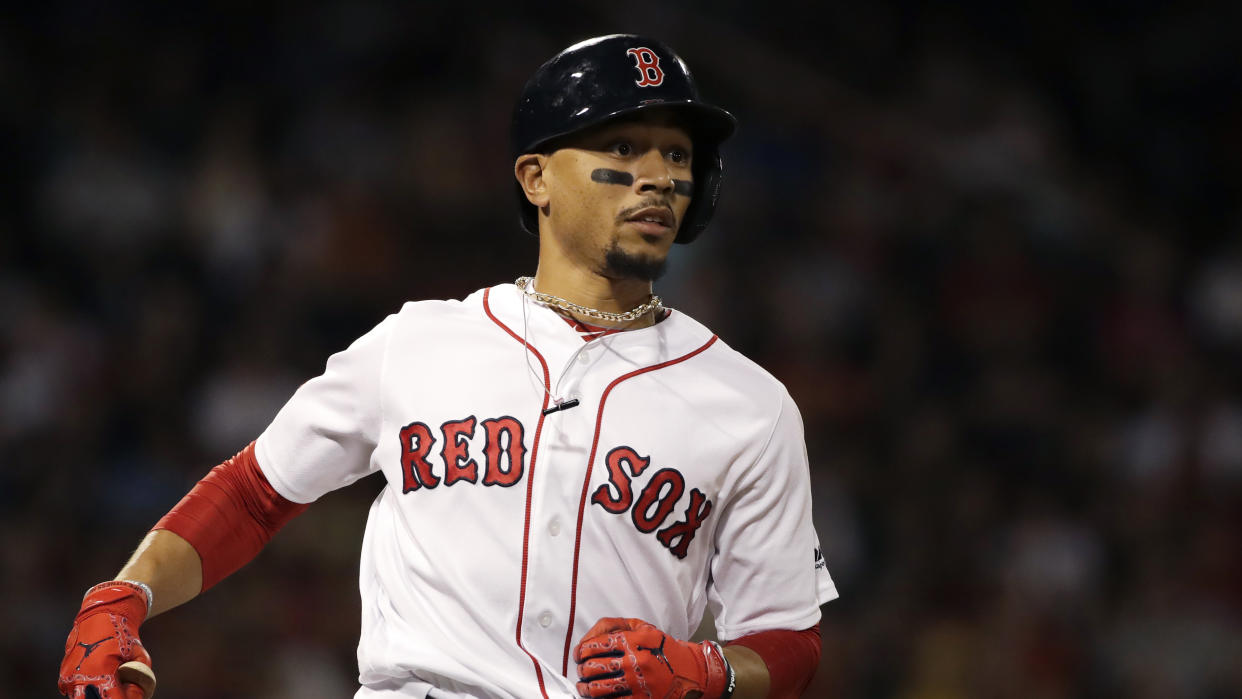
x=141, y=588
x=730, y=676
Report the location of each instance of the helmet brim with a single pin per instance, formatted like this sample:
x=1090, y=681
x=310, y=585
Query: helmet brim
x=707, y=124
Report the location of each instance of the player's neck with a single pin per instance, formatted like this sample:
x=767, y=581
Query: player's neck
x=592, y=290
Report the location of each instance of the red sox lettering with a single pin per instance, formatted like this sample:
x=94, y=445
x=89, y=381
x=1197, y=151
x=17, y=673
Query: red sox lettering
x=504, y=464
x=654, y=495
x=504, y=456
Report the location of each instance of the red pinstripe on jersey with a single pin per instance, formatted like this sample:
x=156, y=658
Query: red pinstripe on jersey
x=586, y=484
x=530, y=481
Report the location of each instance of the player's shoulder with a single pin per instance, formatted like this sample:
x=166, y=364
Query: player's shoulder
x=741, y=375
x=421, y=316
x=422, y=310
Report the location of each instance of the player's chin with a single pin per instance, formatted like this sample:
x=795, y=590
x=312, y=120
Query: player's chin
x=648, y=246
x=645, y=262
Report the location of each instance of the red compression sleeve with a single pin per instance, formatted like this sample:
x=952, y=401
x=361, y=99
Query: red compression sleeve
x=791, y=657
x=229, y=516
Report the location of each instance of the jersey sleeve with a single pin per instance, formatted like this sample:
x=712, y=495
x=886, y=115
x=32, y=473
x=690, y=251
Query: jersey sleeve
x=323, y=438
x=767, y=571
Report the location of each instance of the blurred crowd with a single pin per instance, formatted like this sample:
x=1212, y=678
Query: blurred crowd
x=997, y=259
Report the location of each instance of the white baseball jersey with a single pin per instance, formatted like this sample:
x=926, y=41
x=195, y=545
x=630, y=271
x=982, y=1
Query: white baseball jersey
x=678, y=481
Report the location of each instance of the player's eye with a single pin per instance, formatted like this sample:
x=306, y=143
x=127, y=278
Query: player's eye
x=622, y=148
x=680, y=156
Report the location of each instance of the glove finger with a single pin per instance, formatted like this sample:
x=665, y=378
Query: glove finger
x=91, y=692
x=608, y=645
x=642, y=626
x=604, y=689
x=600, y=668
x=601, y=629
x=608, y=624
x=133, y=691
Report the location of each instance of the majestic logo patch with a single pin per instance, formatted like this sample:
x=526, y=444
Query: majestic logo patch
x=648, y=64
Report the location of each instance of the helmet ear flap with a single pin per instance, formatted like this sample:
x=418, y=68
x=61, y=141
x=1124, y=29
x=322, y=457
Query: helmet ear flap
x=707, y=181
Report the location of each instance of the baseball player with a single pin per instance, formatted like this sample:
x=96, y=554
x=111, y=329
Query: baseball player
x=574, y=472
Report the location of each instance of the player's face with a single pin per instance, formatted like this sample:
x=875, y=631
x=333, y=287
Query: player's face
x=618, y=195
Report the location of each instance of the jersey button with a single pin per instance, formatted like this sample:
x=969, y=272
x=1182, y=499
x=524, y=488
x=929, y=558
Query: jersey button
x=554, y=527
x=545, y=619
x=584, y=357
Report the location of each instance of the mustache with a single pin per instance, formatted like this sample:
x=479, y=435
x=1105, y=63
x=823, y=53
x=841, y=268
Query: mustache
x=646, y=204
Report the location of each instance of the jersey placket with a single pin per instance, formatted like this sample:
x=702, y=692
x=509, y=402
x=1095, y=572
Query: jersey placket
x=564, y=447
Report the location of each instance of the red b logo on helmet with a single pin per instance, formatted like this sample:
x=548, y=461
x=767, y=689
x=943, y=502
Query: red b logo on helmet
x=648, y=64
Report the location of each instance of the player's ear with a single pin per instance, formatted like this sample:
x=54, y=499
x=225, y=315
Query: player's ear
x=529, y=171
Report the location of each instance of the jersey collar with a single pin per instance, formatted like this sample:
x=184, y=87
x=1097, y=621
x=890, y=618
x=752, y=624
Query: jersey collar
x=674, y=336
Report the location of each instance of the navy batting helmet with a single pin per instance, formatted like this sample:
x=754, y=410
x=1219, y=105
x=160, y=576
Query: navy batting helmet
x=614, y=76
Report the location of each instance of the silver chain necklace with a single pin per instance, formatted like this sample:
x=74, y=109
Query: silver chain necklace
x=653, y=303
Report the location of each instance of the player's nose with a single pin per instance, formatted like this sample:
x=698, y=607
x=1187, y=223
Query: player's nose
x=652, y=173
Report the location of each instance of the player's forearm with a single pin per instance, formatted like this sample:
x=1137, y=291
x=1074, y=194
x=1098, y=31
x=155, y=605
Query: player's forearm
x=167, y=564
x=778, y=664
x=750, y=671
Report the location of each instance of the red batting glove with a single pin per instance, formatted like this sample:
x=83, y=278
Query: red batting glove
x=105, y=636
x=629, y=657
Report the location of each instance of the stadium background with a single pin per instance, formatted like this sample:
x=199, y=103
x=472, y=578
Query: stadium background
x=995, y=252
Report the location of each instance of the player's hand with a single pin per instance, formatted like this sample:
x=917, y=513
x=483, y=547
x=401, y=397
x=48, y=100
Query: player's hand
x=103, y=657
x=629, y=657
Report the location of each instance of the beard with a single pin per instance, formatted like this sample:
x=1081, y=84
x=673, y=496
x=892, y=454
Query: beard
x=619, y=264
